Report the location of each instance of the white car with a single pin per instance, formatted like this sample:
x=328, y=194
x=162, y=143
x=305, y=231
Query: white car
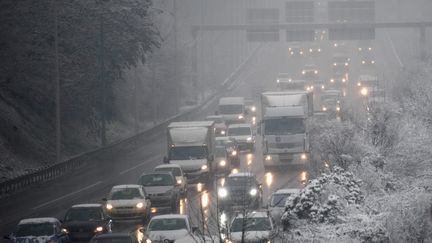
x=168, y=228
x=39, y=230
x=259, y=227
x=180, y=176
x=128, y=202
x=276, y=204
x=243, y=134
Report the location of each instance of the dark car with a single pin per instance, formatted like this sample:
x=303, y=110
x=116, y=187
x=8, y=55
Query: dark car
x=83, y=221
x=162, y=189
x=115, y=238
x=240, y=190
x=33, y=229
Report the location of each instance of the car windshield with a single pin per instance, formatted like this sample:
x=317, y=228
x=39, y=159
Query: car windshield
x=284, y=126
x=83, y=214
x=278, y=200
x=125, y=194
x=283, y=76
x=167, y=224
x=239, y=131
x=39, y=229
x=173, y=170
x=188, y=153
x=156, y=180
x=220, y=151
x=239, y=181
x=116, y=239
x=251, y=224
x=340, y=59
x=230, y=109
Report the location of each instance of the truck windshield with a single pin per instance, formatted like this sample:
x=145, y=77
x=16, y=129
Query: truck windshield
x=230, y=109
x=188, y=153
x=284, y=126
x=239, y=131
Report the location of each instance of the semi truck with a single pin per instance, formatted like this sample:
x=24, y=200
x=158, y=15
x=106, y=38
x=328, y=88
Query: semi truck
x=191, y=145
x=283, y=127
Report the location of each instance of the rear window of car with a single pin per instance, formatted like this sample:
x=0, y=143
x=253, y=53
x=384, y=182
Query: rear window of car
x=173, y=170
x=157, y=180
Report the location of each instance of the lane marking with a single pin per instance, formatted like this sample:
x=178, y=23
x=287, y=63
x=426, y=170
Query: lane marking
x=139, y=165
x=395, y=52
x=67, y=195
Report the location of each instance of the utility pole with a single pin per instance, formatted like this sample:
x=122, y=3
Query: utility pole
x=57, y=81
x=102, y=78
x=176, y=78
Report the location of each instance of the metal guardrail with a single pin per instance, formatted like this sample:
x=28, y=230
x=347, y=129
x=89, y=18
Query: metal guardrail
x=51, y=172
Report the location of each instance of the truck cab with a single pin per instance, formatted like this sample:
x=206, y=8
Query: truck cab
x=191, y=145
x=232, y=109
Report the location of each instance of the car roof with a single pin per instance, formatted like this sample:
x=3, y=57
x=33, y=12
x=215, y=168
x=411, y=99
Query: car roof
x=287, y=191
x=87, y=205
x=239, y=125
x=170, y=216
x=254, y=214
x=39, y=220
x=126, y=186
x=241, y=174
x=168, y=166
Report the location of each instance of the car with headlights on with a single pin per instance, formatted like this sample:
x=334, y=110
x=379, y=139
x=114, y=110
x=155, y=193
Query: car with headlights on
x=310, y=72
x=115, y=238
x=243, y=134
x=83, y=221
x=162, y=190
x=220, y=127
x=168, y=227
x=179, y=174
x=38, y=230
x=256, y=227
x=232, y=148
x=295, y=50
x=128, y=202
x=331, y=101
x=221, y=163
x=276, y=203
x=240, y=190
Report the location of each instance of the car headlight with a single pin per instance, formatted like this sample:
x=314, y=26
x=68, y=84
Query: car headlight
x=234, y=153
x=331, y=80
x=222, y=163
x=278, y=81
x=179, y=181
x=109, y=206
x=346, y=64
x=140, y=205
x=253, y=108
x=324, y=108
x=343, y=80
x=360, y=49
x=303, y=156
x=240, y=117
x=98, y=229
x=310, y=50
x=249, y=139
x=301, y=52
x=204, y=167
x=292, y=53
x=363, y=62
x=303, y=72
x=253, y=192
x=334, y=64
x=316, y=71
x=223, y=132
x=148, y=241
x=337, y=108
x=222, y=192
x=268, y=157
x=373, y=62
x=322, y=87
x=370, y=48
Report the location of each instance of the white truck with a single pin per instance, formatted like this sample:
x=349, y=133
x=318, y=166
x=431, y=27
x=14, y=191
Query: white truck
x=232, y=109
x=191, y=145
x=283, y=127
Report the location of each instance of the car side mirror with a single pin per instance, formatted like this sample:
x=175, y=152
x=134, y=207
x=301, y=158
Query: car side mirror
x=165, y=160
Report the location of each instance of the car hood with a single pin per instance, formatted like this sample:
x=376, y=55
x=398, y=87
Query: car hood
x=33, y=239
x=168, y=234
x=157, y=189
x=250, y=235
x=129, y=202
x=83, y=224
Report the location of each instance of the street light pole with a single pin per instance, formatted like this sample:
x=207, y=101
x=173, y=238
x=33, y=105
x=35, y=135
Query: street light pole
x=102, y=79
x=176, y=79
x=57, y=89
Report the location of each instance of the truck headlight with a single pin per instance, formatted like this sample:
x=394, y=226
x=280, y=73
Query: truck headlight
x=140, y=205
x=204, y=167
x=222, y=163
x=303, y=156
x=253, y=192
x=109, y=206
x=179, y=181
x=240, y=117
x=268, y=157
x=222, y=192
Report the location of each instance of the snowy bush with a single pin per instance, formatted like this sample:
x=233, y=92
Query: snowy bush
x=324, y=199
